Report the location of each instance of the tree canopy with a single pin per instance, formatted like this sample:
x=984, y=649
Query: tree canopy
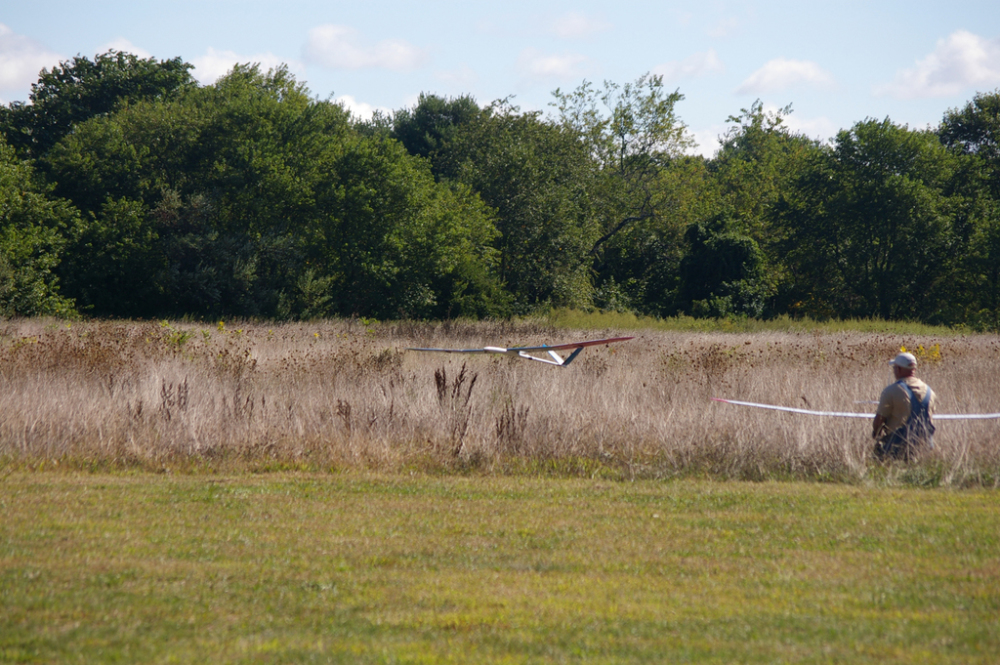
x=33, y=229
x=129, y=190
x=81, y=88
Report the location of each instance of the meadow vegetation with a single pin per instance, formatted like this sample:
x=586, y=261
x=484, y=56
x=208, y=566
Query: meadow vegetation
x=346, y=394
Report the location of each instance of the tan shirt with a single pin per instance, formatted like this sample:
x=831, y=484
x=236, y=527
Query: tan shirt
x=894, y=404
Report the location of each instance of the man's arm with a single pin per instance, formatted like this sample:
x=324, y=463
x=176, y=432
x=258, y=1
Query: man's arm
x=877, y=425
x=884, y=411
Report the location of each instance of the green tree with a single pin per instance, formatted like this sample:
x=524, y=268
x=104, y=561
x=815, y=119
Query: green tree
x=975, y=130
x=871, y=226
x=534, y=174
x=973, y=133
x=79, y=89
x=723, y=273
x=214, y=182
x=757, y=162
x=977, y=290
x=640, y=190
x=632, y=132
x=639, y=268
x=428, y=128
x=33, y=229
x=250, y=198
x=396, y=244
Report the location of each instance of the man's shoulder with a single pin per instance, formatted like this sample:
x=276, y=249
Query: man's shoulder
x=893, y=398
x=918, y=387
x=894, y=388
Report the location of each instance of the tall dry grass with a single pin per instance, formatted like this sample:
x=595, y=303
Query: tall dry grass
x=341, y=394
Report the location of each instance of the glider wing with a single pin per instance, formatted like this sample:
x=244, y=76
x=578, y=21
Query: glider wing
x=966, y=416
x=809, y=412
x=525, y=351
x=572, y=345
x=458, y=350
x=851, y=414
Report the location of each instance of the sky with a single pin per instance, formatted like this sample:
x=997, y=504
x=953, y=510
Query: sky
x=836, y=63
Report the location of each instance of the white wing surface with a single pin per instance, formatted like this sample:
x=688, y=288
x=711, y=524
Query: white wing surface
x=808, y=412
x=851, y=414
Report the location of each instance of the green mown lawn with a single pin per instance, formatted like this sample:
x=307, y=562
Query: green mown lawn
x=417, y=569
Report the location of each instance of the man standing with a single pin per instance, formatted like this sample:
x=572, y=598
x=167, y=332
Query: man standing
x=903, y=422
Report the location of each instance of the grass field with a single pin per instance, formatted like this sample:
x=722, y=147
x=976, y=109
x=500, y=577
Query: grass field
x=313, y=492
x=334, y=395
x=399, y=568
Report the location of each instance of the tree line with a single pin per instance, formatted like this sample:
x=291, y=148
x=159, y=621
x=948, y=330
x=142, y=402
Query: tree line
x=129, y=190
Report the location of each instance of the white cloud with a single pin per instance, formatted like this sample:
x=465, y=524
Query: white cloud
x=961, y=61
x=683, y=18
x=124, y=46
x=575, y=26
x=706, y=140
x=341, y=47
x=21, y=59
x=538, y=66
x=724, y=27
x=693, y=66
x=464, y=76
x=821, y=128
x=780, y=74
x=214, y=64
x=358, y=109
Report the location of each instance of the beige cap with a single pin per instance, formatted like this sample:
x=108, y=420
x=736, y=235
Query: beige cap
x=904, y=360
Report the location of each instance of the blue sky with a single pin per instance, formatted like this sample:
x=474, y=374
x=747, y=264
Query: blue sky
x=836, y=63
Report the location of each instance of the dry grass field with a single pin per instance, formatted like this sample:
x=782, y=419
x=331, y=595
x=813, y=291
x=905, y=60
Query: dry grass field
x=342, y=394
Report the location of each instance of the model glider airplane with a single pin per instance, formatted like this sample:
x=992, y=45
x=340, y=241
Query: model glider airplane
x=851, y=414
x=527, y=351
